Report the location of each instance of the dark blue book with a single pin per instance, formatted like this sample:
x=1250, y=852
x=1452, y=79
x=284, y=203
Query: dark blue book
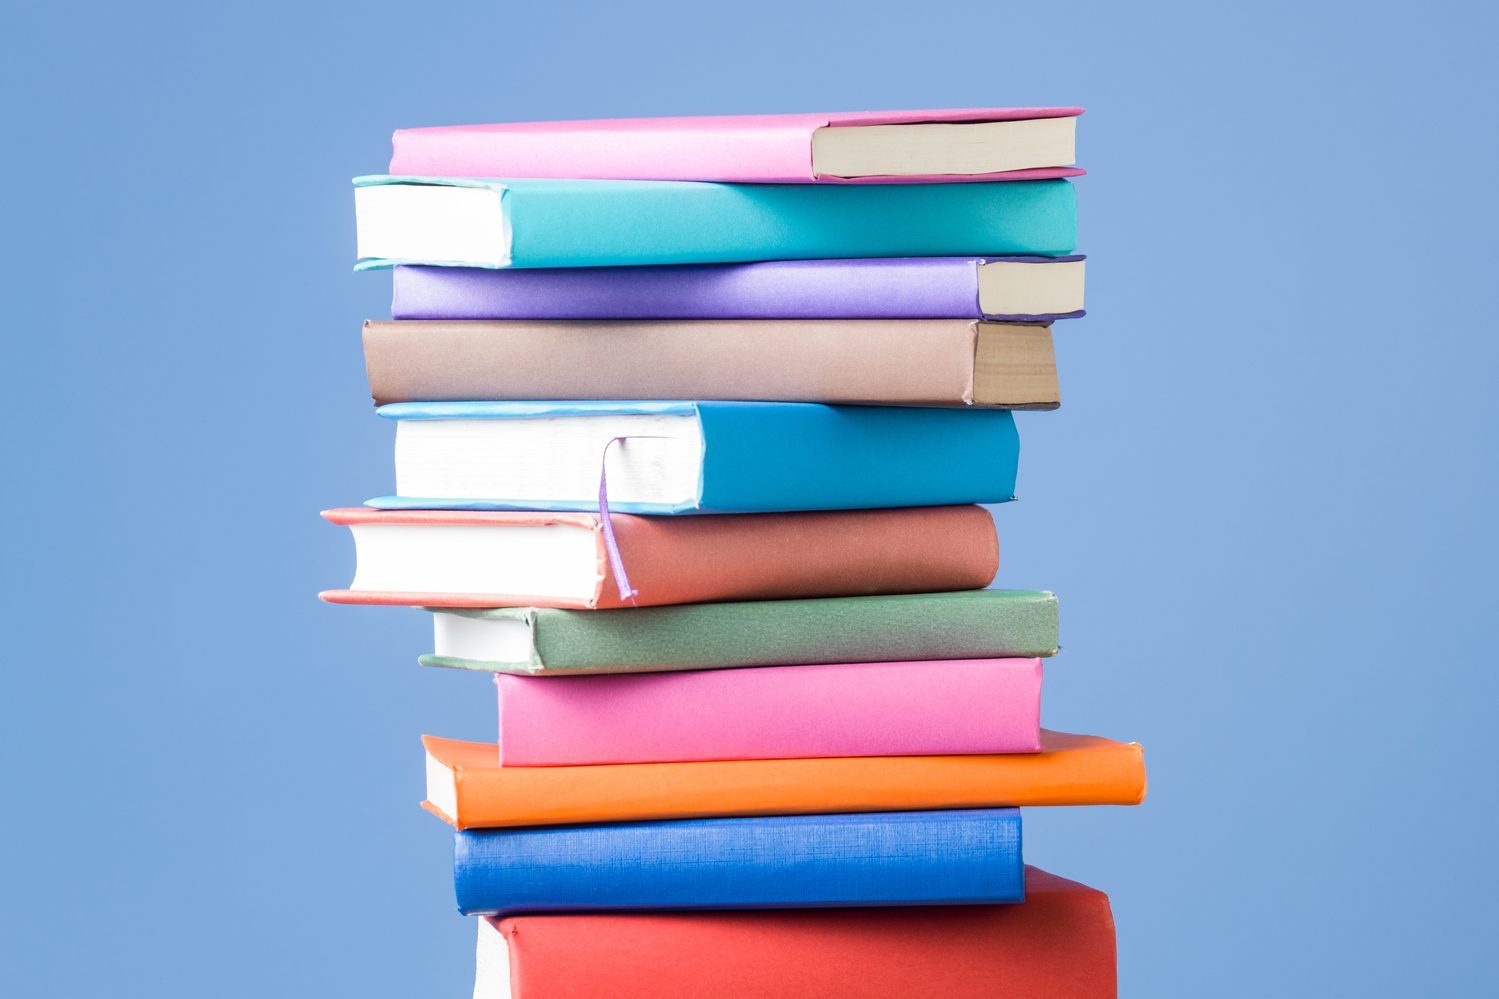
x=953, y=857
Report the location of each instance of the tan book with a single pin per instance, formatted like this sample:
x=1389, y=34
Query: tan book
x=880, y=362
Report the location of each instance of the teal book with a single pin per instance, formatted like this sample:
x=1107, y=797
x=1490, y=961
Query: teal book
x=461, y=222
x=968, y=624
x=696, y=457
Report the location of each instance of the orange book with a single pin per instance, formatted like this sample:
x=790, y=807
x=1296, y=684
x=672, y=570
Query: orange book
x=468, y=788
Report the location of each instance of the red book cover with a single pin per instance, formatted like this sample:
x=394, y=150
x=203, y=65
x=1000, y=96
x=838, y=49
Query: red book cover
x=1058, y=943
x=683, y=560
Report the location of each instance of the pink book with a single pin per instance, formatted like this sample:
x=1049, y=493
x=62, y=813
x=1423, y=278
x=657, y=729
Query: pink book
x=942, y=708
x=971, y=144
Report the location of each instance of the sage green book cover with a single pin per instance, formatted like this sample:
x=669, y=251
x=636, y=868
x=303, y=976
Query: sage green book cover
x=971, y=624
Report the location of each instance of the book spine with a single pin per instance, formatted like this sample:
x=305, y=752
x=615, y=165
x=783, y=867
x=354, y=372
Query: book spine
x=954, y=857
x=574, y=225
x=801, y=457
x=977, y=625
x=872, y=288
x=927, y=362
x=1059, y=943
x=869, y=709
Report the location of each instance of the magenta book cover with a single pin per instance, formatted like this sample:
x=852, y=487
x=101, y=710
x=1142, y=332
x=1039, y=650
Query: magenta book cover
x=755, y=149
x=948, y=707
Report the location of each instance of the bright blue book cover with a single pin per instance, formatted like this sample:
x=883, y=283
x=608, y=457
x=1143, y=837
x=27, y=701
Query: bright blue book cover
x=956, y=857
x=725, y=457
x=588, y=223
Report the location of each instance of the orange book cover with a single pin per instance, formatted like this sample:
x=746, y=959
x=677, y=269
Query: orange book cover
x=735, y=557
x=1060, y=943
x=468, y=788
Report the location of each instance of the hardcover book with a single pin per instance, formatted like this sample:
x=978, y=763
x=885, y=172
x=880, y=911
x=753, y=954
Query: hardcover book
x=440, y=558
x=970, y=624
x=948, y=707
x=696, y=457
x=1058, y=945
x=956, y=857
x=915, y=362
x=607, y=223
x=1004, y=289
x=467, y=787
x=878, y=146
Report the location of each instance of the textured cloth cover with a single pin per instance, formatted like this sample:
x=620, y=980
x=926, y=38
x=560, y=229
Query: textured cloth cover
x=797, y=861
x=1070, y=770
x=1058, y=945
x=682, y=560
x=969, y=624
x=769, y=148
x=952, y=363
x=861, y=288
x=609, y=223
x=762, y=457
x=779, y=712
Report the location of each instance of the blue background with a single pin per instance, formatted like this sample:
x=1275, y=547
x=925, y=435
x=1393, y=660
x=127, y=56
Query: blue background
x=1267, y=503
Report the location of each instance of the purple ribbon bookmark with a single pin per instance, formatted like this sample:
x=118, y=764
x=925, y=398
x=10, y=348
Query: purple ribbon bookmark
x=616, y=561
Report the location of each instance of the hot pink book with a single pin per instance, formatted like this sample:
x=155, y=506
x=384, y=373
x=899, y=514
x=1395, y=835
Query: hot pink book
x=943, y=708
x=882, y=147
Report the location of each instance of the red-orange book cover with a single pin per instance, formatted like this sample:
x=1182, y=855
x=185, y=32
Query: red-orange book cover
x=669, y=560
x=1059, y=944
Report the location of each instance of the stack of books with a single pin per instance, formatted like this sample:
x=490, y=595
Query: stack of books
x=693, y=423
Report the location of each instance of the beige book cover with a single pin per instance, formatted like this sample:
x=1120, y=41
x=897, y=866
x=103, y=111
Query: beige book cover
x=896, y=362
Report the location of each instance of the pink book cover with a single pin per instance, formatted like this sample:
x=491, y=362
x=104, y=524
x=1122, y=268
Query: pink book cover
x=949, y=707
x=749, y=149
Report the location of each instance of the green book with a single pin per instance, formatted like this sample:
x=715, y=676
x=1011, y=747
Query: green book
x=971, y=624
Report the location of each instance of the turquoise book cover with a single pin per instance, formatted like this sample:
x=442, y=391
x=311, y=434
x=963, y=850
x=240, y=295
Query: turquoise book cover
x=757, y=457
x=587, y=223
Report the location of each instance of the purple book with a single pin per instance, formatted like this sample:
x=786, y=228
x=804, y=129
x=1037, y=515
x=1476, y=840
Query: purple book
x=1024, y=289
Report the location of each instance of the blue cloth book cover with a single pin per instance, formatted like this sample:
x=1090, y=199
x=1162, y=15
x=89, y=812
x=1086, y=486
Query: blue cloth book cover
x=697, y=457
x=952, y=857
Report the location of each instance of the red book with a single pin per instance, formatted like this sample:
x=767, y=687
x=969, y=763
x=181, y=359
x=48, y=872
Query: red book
x=456, y=558
x=1058, y=943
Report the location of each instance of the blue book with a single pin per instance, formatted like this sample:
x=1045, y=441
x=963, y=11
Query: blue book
x=696, y=457
x=958, y=857
x=586, y=223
